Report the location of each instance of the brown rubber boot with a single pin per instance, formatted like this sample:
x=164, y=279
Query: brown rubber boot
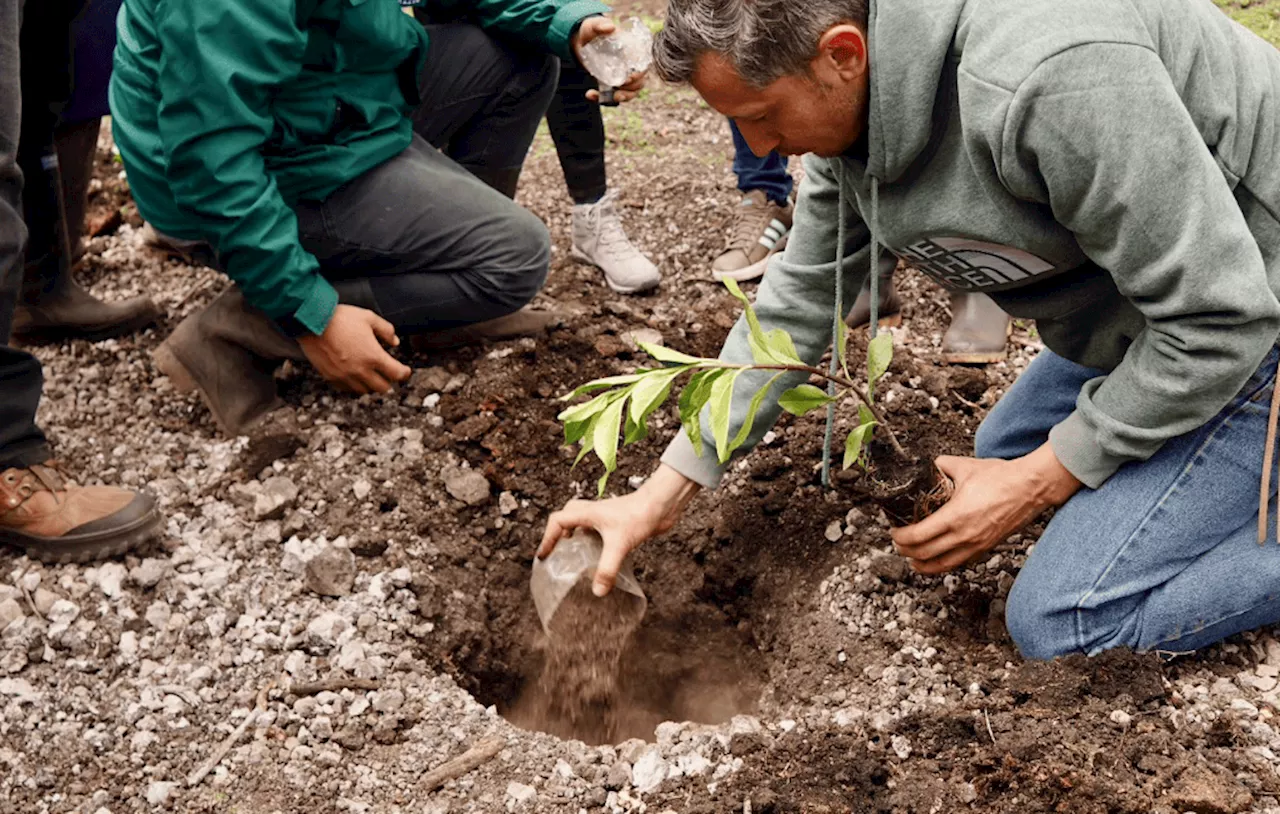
x=229, y=353
x=978, y=332
x=525, y=322
x=44, y=513
x=890, y=312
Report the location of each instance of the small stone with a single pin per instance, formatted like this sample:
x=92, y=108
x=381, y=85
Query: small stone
x=507, y=503
x=159, y=791
x=967, y=793
x=521, y=793
x=158, y=614
x=901, y=746
x=649, y=336
x=1200, y=790
x=834, y=531
x=889, y=567
x=649, y=771
x=278, y=495
x=1259, y=683
x=44, y=600
x=361, y=489
x=331, y=571
x=619, y=776
x=111, y=577
x=326, y=628
x=388, y=700
x=428, y=380
x=1120, y=718
x=129, y=646
x=10, y=612
x=1273, y=652
x=149, y=572
x=63, y=612
x=1245, y=708
x=1267, y=671
x=466, y=485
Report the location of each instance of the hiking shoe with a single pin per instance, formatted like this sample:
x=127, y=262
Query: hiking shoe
x=890, y=311
x=44, y=513
x=598, y=239
x=978, y=331
x=760, y=229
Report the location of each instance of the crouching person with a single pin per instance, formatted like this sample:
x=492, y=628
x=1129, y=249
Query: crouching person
x=352, y=169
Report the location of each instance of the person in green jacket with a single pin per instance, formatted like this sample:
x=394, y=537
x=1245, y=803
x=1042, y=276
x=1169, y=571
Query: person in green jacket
x=1109, y=168
x=352, y=170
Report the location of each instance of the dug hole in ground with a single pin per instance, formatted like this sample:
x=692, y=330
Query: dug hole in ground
x=356, y=578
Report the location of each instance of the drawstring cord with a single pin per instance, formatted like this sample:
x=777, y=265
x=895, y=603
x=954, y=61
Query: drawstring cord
x=1267, y=459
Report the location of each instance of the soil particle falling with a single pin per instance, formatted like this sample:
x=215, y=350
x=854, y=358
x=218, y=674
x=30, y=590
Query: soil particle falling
x=578, y=692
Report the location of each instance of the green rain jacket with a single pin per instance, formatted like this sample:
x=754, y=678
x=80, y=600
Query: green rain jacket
x=227, y=112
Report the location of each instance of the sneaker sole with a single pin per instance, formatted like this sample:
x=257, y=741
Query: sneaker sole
x=581, y=257
x=85, y=548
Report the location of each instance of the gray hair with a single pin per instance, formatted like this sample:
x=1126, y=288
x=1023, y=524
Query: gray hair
x=764, y=40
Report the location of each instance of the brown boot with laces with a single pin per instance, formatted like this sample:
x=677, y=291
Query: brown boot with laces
x=44, y=513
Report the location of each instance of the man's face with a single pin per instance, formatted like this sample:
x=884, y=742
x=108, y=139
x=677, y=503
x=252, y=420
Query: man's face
x=822, y=113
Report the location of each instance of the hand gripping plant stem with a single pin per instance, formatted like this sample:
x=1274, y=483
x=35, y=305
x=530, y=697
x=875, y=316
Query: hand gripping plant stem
x=623, y=404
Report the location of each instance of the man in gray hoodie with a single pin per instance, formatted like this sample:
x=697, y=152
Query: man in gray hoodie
x=1109, y=168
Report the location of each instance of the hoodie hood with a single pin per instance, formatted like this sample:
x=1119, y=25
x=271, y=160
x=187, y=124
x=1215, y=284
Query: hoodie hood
x=909, y=42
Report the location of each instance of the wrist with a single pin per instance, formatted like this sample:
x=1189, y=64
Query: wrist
x=1051, y=482
x=670, y=489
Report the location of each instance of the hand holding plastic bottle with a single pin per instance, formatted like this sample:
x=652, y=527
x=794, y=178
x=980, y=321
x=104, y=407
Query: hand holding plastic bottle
x=618, y=56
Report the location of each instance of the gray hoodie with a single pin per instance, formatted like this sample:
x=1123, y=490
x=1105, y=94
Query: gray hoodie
x=1109, y=168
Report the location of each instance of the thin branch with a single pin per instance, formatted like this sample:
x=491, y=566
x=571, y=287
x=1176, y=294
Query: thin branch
x=840, y=380
x=472, y=759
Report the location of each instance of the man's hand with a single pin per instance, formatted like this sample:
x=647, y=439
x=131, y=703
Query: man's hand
x=349, y=353
x=591, y=28
x=623, y=522
x=993, y=499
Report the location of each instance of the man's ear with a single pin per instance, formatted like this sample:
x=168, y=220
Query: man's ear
x=843, y=51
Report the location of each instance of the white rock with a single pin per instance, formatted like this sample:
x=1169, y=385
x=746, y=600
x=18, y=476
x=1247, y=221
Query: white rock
x=10, y=612
x=1273, y=652
x=331, y=571
x=350, y=656
x=1242, y=706
x=834, y=531
x=901, y=746
x=388, y=700
x=521, y=793
x=361, y=489
x=158, y=614
x=64, y=612
x=158, y=792
x=277, y=495
x=111, y=576
x=692, y=764
x=326, y=628
x=19, y=688
x=1120, y=717
x=507, y=503
x=466, y=485
x=649, y=771
x=44, y=600
x=787, y=725
x=149, y=572
x=129, y=646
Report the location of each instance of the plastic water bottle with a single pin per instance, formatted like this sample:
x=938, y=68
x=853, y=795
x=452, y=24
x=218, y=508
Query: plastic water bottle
x=614, y=58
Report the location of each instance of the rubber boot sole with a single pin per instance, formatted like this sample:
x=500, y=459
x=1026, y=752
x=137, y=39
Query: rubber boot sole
x=37, y=334
x=581, y=257
x=986, y=357
x=80, y=548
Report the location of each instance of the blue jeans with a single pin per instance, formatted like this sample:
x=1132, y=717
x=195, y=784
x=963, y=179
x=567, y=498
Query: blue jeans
x=1164, y=555
x=768, y=174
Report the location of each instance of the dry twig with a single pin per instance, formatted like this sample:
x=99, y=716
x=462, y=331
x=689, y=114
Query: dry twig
x=473, y=758
x=333, y=685
x=203, y=770
x=987, y=718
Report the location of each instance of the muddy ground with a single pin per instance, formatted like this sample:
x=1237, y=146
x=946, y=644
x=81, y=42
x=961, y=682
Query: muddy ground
x=384, y=545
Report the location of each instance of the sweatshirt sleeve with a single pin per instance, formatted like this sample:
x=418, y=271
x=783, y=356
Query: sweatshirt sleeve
x=1100, y=135
x=220, y=65
x=550, y=23
x=797, y=295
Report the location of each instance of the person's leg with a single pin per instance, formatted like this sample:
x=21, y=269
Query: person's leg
x=434, y=247
x=482, y=100
x=763, y=216
x=41, y=511
x=1043, y=396
x=1162, y=556
x=577, y=130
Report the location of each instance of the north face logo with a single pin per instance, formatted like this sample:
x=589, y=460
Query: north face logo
x=970, y=265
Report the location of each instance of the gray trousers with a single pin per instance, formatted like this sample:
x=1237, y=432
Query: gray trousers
x=431, y=239
x=21, y=441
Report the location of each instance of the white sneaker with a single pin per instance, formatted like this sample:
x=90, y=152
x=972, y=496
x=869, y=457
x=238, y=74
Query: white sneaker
x=598, y=239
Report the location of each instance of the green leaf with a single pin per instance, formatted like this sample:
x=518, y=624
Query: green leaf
x=649, y=394
x=588, y=442
x=865, y=416
x=600, y=484
x=669, y=356
x=601, y=384
x=604, y=436
x=578, y=412
x=853, y=444
x=842, y=346
x=879, y=355
x=720, y=403
x=756, y=401
x=575, y=430
x=802, y=399
x=634, y=430
x=692, y=399
x=783, y=348
x=752, y=321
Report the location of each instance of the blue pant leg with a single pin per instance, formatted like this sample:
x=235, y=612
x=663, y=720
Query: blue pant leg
x=768, y=174
x=1042, y=396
